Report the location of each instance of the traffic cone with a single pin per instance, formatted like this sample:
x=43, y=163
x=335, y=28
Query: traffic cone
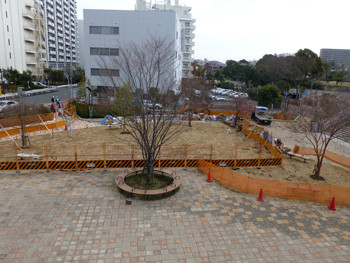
x=209, y=178
x=332, y=206
x=260, y=198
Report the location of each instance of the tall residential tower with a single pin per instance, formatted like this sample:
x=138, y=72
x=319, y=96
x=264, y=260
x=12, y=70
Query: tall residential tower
x=187, y=28
x=61, y=33
x=22, y=35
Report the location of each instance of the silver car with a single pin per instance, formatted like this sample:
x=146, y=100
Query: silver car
x=5, y=104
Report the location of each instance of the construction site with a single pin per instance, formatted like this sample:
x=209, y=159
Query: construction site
x=252, y=151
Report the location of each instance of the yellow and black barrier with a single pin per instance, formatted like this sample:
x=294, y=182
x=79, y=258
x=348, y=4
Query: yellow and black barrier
x=104, y=164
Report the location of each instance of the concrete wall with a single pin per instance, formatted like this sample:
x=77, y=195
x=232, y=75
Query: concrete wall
x=134, y=26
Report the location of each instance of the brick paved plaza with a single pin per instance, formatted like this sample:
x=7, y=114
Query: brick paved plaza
x=81, y=217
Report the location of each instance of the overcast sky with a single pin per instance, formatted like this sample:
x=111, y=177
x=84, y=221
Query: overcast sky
x=249, y=29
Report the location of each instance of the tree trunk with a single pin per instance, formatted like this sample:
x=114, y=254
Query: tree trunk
x=318, y=169
x=150, y=172
x=189, y=119
x=23, y=131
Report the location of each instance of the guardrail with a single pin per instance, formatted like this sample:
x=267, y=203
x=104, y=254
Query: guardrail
x=36, y=92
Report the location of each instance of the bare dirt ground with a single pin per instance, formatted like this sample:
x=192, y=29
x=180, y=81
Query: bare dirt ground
x=90, y=136
x=199, y=139
x=294, y=169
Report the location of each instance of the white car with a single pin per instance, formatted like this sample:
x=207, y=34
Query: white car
x=148, y=104
x=39, y=84
x=5, y=104
x=221, y=99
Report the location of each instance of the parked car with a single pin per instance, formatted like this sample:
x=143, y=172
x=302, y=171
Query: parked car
x=5, y=104
x=148, y=104
x=39, y=84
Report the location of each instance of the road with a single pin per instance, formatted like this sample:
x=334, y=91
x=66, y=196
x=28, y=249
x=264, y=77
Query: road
x=62, y=93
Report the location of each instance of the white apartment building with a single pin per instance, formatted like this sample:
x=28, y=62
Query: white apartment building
x=108, y=31
x=187, y=25
x=61, y=33
x=22, y=35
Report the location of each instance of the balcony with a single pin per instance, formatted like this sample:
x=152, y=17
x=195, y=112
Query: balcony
x=30, y=51
x=28, y=15
x=29, y=40
x=52, y=52
x=29, y=28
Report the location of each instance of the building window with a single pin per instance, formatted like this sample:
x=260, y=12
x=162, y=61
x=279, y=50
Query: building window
x=8, y=41
x=105, y=72
x=6, y=13
x=187, y=24
x=8, y=29
x=10, y=54
x=104, y=30
x=114, y=51
x=95, y=72
x=104, y=51
x=114, y=30
x=95, y=30
x=94, y=51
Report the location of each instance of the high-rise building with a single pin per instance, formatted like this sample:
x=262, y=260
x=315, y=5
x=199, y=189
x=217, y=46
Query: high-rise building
x=187, y=28
x=336, y=57
x=61, y=33
x=106, y=32
x=22, y=35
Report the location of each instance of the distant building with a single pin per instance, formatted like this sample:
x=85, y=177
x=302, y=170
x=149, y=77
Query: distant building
x=81, y=43
x=22, y=34
x=187, y=25
x=107, y=31
x=61, y=33
x=213, y=66
x=336, y=57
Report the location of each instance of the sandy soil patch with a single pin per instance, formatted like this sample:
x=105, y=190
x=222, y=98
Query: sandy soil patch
x=199, y=139
x=295, y=170
x=89, y=137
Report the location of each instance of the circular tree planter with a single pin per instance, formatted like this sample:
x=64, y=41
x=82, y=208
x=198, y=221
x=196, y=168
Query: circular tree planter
x=126, y=185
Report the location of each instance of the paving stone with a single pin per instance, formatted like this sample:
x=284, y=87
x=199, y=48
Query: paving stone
x=82, y=217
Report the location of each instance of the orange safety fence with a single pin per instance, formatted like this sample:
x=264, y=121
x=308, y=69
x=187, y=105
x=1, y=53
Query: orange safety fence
x=336, y=158
x=31, y=119
x=35, y=128
x=243, y=115
x=283, y=116
x=253, y=132
x=300, y=191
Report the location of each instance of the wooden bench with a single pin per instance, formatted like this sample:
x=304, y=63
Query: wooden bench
x=305, y=158
x=122, y=185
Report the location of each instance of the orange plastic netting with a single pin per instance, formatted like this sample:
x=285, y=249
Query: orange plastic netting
x=336, y=158
x=301, y=191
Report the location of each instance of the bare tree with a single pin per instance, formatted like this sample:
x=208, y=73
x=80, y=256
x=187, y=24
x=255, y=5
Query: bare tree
x=322, y=119
x=24, y=113
x=195, y=93
x=149, y=68
x=240, y=105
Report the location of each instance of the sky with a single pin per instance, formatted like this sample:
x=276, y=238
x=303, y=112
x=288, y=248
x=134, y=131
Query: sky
x=249, y=29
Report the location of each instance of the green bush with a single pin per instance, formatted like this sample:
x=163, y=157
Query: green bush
x=98, y=110
x=226, y=85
